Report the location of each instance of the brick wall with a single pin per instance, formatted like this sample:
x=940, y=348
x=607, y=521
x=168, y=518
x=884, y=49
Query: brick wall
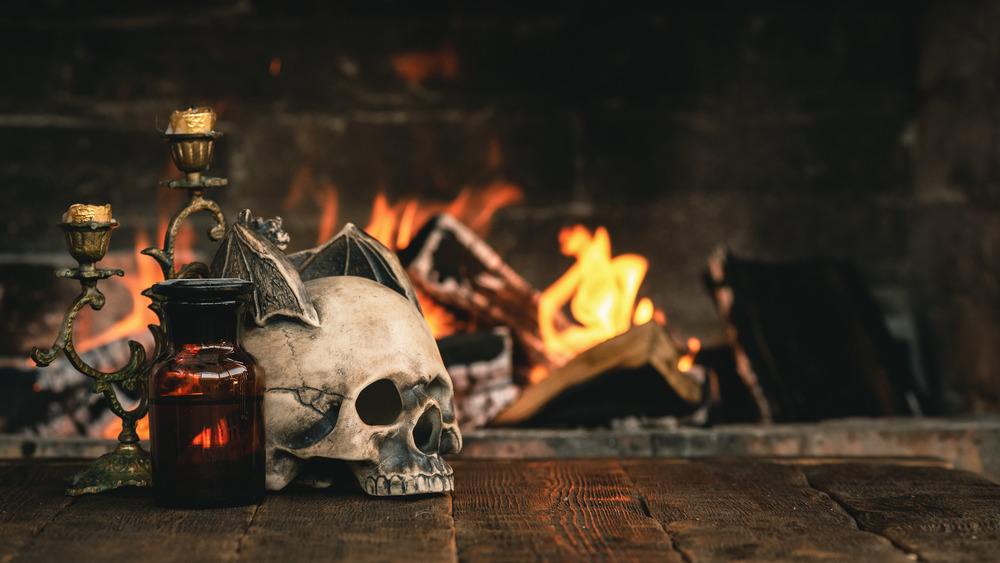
x=782, y=132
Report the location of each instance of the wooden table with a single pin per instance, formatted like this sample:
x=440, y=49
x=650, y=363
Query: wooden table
x=581, y=509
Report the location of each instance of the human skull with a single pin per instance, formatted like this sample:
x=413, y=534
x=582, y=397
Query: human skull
x=368, y=386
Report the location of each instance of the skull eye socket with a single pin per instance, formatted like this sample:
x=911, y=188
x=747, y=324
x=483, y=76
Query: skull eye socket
x=379, y=403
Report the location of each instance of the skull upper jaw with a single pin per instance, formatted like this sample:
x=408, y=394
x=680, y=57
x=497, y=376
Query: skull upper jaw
x=377, y=482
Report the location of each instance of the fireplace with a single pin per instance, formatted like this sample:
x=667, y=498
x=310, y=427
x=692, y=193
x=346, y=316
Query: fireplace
x=847, y=134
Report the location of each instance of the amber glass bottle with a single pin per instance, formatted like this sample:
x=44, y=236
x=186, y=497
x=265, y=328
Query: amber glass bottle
x=206, y=419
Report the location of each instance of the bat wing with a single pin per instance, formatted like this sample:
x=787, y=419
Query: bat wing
x=353, y=252
x=278, y=291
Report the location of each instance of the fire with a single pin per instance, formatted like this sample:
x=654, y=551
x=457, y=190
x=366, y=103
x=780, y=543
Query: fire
x=441, y=322
x=417, y=66
x=146, y=273
x=687, y=360
x=328, y=217
x=112, y=430
x=600, y=290
x=217, y=435
x=395, y=224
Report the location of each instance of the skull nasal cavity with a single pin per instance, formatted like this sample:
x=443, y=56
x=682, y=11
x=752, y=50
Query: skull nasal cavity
x=427, y=431
x=379, y=403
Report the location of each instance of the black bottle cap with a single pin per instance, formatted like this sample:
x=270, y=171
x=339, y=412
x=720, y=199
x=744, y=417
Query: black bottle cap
x=204, y=290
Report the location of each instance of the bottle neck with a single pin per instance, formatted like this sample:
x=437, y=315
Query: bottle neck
x=204, y=323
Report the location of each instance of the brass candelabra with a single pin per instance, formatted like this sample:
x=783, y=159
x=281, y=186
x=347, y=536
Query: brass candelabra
x=87, y=230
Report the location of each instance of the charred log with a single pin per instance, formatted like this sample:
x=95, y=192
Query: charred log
x=810, y=340
x=481, y=368
x=459, y=270
x=632, y=374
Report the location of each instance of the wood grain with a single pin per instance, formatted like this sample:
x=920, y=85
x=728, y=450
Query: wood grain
x=304, y=524
x=941, y=514
x=652, y=509
x=31, y=496
x=725, y=510
x=123, y=525
x=569, y=510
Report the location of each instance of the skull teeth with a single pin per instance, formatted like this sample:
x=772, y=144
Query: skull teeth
x=382, y=485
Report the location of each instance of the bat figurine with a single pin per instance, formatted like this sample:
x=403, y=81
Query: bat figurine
x=353, y=252
x=250, y=255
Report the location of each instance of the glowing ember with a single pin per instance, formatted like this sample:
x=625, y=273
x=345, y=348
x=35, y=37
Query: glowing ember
x=600, y=291
x=537, y=374
x=687, y=360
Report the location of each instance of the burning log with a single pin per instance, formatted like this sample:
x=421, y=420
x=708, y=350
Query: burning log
x=458, y=269
x=810, y=341
x=634, y=373
x=481, y=367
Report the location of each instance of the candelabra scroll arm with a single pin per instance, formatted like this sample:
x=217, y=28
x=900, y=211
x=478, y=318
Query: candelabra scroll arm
x=93, y=297
x=89, y=295
x=165, y=256
x=128, y=464
x=129, y=376
x=129, y=418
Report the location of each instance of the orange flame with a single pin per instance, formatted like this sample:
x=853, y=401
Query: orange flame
x=328, y=217
x=395, y=224
x=212, y=436
x=687, y=360
x=114, y=428
x=417, y=66
x=600, y=291
x=441, y=322
x=146, y=273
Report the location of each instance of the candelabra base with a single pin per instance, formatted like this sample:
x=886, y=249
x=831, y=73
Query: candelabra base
x=128, y=464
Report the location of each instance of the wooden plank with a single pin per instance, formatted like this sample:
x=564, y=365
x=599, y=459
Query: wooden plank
x=124, y=525
x=543, y=510
x=31, y=496
x=345, y=524
x=743, y=509
x=940, y=514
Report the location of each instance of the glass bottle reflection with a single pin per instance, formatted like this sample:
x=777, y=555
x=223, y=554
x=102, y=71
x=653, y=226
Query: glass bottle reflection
x=206, y=400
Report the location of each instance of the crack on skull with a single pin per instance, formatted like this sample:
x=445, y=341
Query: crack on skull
x=290, y=343
x=325, y=404
x=321, y=410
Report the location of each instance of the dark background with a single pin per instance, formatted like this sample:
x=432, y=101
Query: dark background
x=864, y=132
